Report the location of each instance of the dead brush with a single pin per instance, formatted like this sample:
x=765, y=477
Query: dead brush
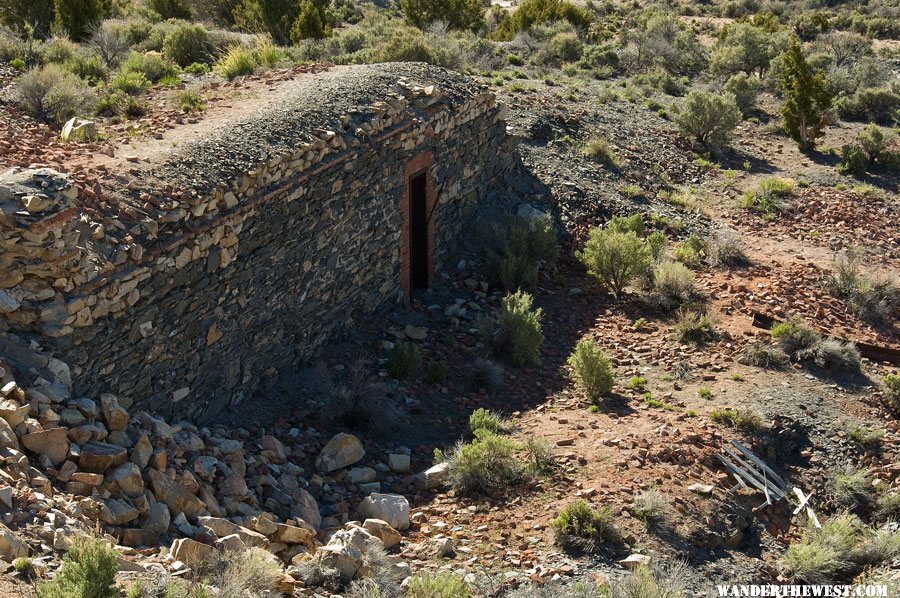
x=358, y=399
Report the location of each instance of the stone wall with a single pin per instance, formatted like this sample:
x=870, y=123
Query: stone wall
x=247, y=269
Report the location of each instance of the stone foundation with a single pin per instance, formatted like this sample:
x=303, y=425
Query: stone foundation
x=236, y=274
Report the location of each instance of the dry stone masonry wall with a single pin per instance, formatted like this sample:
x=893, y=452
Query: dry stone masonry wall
x=247, y=250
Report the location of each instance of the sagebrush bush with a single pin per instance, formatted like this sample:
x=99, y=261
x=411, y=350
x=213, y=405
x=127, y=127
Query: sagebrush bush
x=110, y=42
x=485, y=419
x=870, y=299
x=794, y=337
x=486, y=465
x=880, y=105
x=519, y=335
x=457, y=14
x=531, y=13
x=190, y=100
x=673, y=284
x=250, y=572
x=129, y=82
x=58, y=50
x=765, y=356
x=727, y=249
x=744, y=88
x=485, y=374
x=186, y=44
x=692, y=326
x=651, y=507
x=54, y=95
x=516, y=247
x=707, y=117
x=89, y=571
x=581, y=527
x=171, y=9
x=358, y=399
x=890, y=392
x=404, y=359
x=154, y=67
x=614, y=258
x=436, y=371
x=656, y=581
x=442, y=584
x=88, y=67
x=238, y=61
x=592, y=369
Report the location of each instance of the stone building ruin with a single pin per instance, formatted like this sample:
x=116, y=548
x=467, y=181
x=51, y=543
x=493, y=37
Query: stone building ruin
x=248, y=248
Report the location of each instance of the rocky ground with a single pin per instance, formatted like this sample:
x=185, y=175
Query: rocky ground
x=280, y=474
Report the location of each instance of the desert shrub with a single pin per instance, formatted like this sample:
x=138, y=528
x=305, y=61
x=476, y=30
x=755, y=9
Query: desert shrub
x=316, y=574
x=851, y=488
x=171, y=9
x=794, y=337
x=834, y=355
x=805, y=111
x=744, y=88
x=485, y=374
x=268, y=54
x=539, y=457
x=673, y=284
x=625, y=224
x=875, y=143
x=457, y=14
x=707, y=117
x=358, y=399
x=887, y=506
x=853, y=161
x=872, y=300
x=614, y=258
x=89, y=571
x=565, y=47
x=154, y=67
x=599, y=150
x=519, y=335
x=582, y=528
x=486, y=465
x=691, y=251
x=694, y=327
x=442, y=584
x=536, y=12
x=189, y=100
x=274, y=17
x=110, y=42
x=197, y=68
x=742, y=419
x=769, y=197
x=592, y=369
x=250, y=572
x=880, y=105
x=515, y=249
x=651, y=507
x=485, y=419
x=23, y=566
x=657, y=581
x=727, y=249
x=403, y=360
x=844, y=47
x=186, y=44
x=890, y=391
x=866, y=437
x=50, y=93
x=236, y=62
x=88, y=67
x=662, y=80
x=129, y=82
x=435, y=371
x=77, y=18
x=744, y=47
x=765, y=356
x=310, y=22
x=58, y=50
x=661, y=41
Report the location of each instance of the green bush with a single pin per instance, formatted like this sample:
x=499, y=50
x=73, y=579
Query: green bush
x=537, y=12
x=694, y=327
x=171, y=9
x=519, y=336
x=237, y=62
x=565, y=47
x=769, y=197
x=51, y=94
x=21, y=14
x=890, y=391
x=486, y=465
x=189, y=100
x=275, y=17
x=744, y=88
x=651, y=507
x=155, y=68
x=58, y=50
x=853, y=161
x=598, y=150
x=186, y=44
x=88, y=68
x=403, y=360
x=673, y=284
x=457, y=14
x=794, y=337
x=583, y=528
x=310, y=23
x=515, y=249
x=748, y=421
x=880, y=106
x=708, y=118
x=129, y=82
x=744, y=47
x=852, y=488
x=614, y=258
x=443, y=584
x=77, y=18
x=436, y=372
x=485, y=419
x=765, y=356
x=88, y=571
x=592, y=369
x=875, y=142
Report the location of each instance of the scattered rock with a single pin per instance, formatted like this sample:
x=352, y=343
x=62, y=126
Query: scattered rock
x=342, y=450
x=391, y=508
x=52, y=443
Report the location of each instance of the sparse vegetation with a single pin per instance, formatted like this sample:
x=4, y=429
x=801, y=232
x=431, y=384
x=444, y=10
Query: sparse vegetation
x=615, y=258
x=442, y=584
x=694, y=327
x=519, y=336
x=486, y=465
x=436, y=371
x=852, y=488
x=769, y=197
x=598, y=150
x=485, y=419
x=592, y=369
x=583, y=528
x=517, y=247
x=673, y=285
x=872, y=300
x=404, y=359
x=485, y=374
x=708, y=118
x=651, y=507
x=742, y=419
x=89, y=570
x=890, y=392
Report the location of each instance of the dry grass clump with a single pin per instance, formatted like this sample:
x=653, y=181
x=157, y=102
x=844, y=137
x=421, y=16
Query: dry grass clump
x=871, y=299
x=582, y=528
x=651, y=507
x=742, y=419
x=695, y=327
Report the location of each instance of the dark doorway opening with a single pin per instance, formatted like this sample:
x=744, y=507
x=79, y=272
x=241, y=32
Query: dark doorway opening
x=418, y=231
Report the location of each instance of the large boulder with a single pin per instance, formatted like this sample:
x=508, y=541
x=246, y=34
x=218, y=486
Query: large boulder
x=54, y=443
x=11, y=547
x=305, y=507
x=190, y=552
x=115, y=415
x=126, y=479
x=342, y=450
x=223, y=527
x=97, y=457
x=158, y=519
x=175, y=496
x=384, y=532
x=391, y=508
